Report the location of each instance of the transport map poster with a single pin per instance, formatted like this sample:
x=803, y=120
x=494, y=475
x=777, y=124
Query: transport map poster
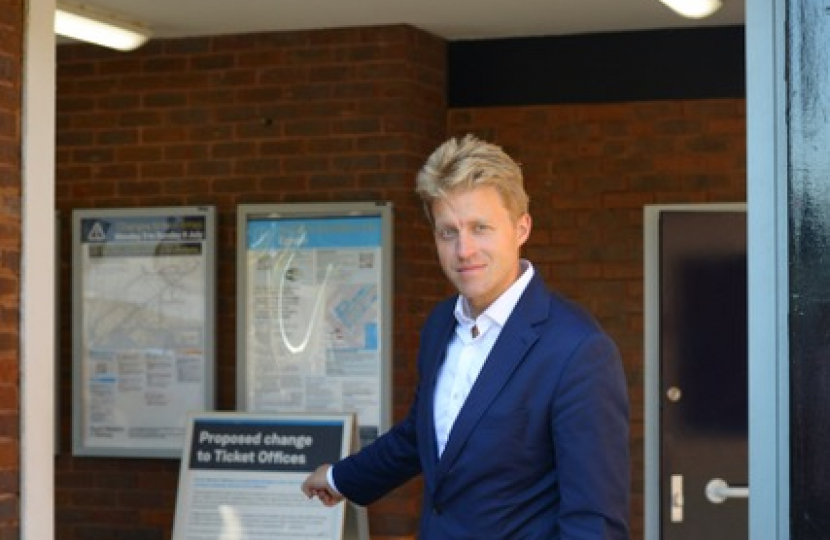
x=143, y=330
x=314, y=320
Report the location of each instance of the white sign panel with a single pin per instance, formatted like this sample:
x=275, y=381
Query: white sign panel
x=241, y=474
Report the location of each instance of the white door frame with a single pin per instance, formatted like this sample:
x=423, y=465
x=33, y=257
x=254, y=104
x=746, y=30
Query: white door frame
x=768, y=279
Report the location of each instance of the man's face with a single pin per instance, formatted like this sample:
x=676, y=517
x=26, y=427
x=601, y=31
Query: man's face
x=478, y=244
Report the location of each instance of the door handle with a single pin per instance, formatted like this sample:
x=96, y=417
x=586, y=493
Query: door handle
x=717, y=491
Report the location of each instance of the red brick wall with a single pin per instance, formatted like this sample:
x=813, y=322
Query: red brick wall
x=11, y=53
x=590, y=169
x=347, y=115
x=337, y=115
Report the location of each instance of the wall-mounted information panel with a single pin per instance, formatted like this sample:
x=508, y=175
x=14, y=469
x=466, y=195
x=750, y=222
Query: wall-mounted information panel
x=143, y=292
x=314, y=310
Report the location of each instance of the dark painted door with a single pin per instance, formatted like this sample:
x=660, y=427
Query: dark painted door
x=703, y=362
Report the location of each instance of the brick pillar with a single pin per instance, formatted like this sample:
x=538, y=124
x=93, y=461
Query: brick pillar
x=11, y=28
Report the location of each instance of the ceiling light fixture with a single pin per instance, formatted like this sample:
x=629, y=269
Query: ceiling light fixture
x=86, y=23
x=694, y=9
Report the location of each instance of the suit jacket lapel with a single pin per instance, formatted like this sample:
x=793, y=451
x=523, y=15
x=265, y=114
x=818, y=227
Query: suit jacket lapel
x=434, y=354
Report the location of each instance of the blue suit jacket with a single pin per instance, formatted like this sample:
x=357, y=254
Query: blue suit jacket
x=538, y=451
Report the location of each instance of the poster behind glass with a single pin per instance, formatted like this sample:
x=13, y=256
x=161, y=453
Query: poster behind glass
x=313, y=310
x=143, y=328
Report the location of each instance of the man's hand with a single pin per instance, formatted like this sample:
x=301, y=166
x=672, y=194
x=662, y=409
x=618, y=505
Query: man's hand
x=317, y=485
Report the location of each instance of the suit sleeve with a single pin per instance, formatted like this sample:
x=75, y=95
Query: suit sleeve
x=380, y=467
x=590, y=426
x=394, y=458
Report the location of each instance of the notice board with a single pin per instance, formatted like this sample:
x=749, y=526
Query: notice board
x=241, y=474
x=143, y=293
x=314, y=310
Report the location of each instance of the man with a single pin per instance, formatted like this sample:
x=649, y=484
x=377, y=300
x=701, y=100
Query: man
x=520, y=421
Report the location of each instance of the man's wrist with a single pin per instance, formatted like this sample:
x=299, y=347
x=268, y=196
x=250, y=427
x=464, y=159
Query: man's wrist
x=330, y=479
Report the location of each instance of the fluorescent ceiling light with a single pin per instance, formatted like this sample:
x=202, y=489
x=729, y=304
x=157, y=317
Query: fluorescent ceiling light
x=694, y=9
x=85, y=23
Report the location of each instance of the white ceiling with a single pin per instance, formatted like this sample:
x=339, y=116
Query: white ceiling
x=450, y=19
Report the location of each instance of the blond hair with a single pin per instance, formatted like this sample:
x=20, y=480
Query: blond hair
x=467, y=163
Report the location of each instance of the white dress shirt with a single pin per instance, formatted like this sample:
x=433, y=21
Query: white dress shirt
x=466, y=354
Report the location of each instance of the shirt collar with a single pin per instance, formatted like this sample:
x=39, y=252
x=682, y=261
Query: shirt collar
x=500, y=310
